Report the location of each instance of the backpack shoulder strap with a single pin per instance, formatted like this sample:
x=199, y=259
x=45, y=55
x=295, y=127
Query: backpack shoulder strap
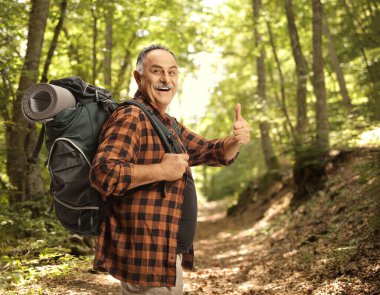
x=160, y=128
x=170, y=137
x=175, y=127
x=33, y=159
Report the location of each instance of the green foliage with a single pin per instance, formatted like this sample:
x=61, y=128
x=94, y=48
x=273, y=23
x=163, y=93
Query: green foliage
x=13, y=25
x=188, y=27
x=37, y=263
x=31, y=245
x=32, y=241
x=30, y=219
x=355, y=38
x=135, y=24
x=232, y=181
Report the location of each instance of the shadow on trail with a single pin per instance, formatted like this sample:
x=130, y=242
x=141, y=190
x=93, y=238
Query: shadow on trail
x=326, y=246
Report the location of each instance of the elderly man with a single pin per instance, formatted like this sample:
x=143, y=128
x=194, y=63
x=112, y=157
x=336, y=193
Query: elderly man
x=147, y=235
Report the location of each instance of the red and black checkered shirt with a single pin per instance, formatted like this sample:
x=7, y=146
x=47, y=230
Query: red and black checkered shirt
x=137, y=241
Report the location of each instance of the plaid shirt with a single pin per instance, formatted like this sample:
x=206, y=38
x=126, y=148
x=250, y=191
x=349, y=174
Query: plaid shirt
x=137, y=241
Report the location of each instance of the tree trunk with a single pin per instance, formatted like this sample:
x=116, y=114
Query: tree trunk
x=271, y=160
x=6, y=91
x=122, y=80
x=54, y=41
x=310, y=160
x=287, y=123
x=336, y=65
x=126, y=63
x=24, y=176
x=126, y=67
x=371, y=74
x=302, y=73
x=282, y=83
x=108, y=51
x=94, y=42
x=319, y=78
x=75, y=57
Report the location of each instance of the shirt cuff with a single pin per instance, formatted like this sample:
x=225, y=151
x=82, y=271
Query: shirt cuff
x=112, y=177
x=220, y=155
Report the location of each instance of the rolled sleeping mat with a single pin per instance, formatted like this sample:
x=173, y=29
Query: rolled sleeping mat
x=42, y=102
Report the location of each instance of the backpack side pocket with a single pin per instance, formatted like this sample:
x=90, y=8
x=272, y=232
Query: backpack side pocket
x=77, y=204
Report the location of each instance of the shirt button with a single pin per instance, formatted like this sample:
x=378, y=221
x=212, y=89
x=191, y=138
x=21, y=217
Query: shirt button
x=172, y=257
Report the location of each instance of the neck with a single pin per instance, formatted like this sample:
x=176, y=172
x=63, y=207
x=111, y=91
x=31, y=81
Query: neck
x=159, y=109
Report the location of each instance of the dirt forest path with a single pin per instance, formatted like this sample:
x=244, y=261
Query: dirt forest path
x=218, y=262
x=328, y=246
x=222, y=260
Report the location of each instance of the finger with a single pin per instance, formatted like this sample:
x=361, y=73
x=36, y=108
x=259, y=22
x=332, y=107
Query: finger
x=242, y=139
x=242, y=130
x=238, y=112
x=241, y=133
x=185, y=157
x=166, y=155
x=240, y=124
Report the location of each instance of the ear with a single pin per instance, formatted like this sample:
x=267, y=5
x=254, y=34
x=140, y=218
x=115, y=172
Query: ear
x=137, y=76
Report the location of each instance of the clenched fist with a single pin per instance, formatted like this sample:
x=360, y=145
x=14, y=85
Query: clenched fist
x=174, y=166
x=241, y=131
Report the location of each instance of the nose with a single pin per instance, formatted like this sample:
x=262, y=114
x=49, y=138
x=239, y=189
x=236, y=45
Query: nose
x=164, y=77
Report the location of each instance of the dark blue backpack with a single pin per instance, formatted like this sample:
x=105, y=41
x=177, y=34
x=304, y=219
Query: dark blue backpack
x=72, y=141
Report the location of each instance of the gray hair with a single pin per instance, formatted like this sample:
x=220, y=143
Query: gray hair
x=145, y=51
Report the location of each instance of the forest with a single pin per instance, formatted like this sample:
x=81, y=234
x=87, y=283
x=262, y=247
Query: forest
x=297, y=213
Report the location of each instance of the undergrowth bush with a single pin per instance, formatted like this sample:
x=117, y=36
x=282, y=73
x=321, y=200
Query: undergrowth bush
x=32, y=244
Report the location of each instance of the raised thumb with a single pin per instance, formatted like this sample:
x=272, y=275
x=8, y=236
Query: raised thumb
x=238, y=112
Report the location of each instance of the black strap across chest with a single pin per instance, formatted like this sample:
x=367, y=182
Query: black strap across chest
x=168, y=139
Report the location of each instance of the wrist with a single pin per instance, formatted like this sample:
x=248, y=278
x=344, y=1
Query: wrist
x=231, y=140
x=161, y=171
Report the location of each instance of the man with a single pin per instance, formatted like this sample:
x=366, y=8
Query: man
x=149, y=228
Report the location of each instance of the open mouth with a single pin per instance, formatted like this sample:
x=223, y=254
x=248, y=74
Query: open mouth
x=163, y=88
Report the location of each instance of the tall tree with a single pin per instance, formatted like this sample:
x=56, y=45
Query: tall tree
x=319, y=77
x=126, y=67
x=108, y=44
x=54, y=41
x=302, y=72
x=282, y=82
x=336, y=64
x=309, y=167
x=94, y=42
x=271, y=160
x=24, y=175
x=371, y=74
x=364, y=30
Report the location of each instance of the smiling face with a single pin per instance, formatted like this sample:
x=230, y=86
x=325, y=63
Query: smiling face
x=159, y=77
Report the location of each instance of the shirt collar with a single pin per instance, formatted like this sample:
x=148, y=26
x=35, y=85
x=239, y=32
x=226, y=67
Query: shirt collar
x=151, y=108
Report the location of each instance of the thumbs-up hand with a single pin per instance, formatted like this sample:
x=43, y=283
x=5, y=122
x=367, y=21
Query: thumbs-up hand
x=241, y=130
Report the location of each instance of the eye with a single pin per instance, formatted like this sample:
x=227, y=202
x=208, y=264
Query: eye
x=157, y=71
x=172, y=73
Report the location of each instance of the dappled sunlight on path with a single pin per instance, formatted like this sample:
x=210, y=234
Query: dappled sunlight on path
x=229, y=251
x=324, y=247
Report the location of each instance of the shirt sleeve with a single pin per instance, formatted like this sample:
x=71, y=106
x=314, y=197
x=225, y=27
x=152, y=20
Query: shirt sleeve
x=113, y=165
x=202, y=151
